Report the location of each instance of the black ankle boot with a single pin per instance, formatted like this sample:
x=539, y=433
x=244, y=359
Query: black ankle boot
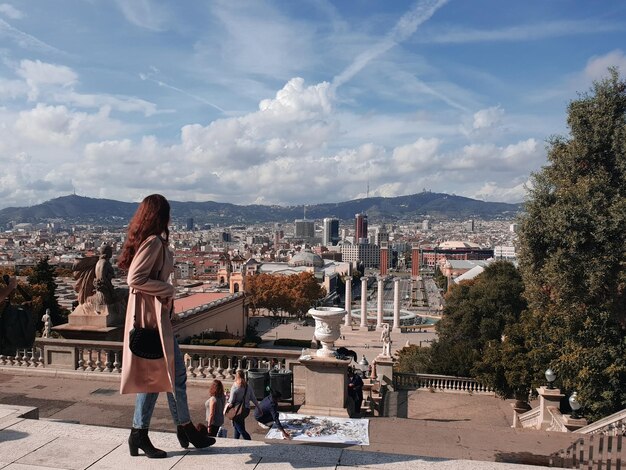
x=182, y=436
x=198, y=439
x=139, y=439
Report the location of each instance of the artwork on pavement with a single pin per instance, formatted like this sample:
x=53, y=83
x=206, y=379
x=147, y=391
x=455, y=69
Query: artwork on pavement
x=323, y=429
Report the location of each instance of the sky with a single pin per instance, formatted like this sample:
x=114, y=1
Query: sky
x=291, y=102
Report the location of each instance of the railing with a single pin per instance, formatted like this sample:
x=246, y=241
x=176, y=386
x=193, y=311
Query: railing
x=613, y=425
x=557, y=423
x=594, y=451
x=530, y=419
x=105, y=358
x=444, y=383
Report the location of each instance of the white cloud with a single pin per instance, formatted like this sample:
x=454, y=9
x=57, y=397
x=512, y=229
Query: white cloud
x=25, y=40
x=597, y=66
x=10, y=11
x=492, y=191
x=57, y=125
x=487, y=118
x=38, y=74
x=524, y=32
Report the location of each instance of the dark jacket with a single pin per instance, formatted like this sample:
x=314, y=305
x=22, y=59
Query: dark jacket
x=267, y=411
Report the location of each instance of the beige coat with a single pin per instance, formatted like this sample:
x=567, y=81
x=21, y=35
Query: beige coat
x=147, y=281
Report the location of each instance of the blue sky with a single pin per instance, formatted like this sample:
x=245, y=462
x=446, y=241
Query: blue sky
x=290, y=102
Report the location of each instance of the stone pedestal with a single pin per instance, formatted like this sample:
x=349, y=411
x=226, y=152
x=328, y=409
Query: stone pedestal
x=94, y=323
x=573, y=424
x=384, y=369
x=326, y=387
x=547, y=397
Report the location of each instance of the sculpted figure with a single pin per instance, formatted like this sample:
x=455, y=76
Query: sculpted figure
x=47, y=324
x=104, y=274
x=385, y=337
x=84, y=273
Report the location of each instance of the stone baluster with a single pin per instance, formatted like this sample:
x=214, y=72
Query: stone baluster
x=190, y=369
x=117, y=365
x=40, y=359
x=81, y=361
x=18, y=358
x=108, y=365
x=33, y=359
x=219, y=372
x=3, y=360
x=91, y=363
x=201, y=367
x=98, y=364
x=209, y=368
x=239, y=363
x=230, y=372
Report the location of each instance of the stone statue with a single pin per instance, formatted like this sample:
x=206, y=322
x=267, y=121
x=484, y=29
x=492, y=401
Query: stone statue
x=84, y=273
x=385, y=337
x=47, y=324
x=104, y=274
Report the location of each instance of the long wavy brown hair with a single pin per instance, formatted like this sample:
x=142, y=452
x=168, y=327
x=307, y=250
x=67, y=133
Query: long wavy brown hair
x=151, y=218
x=216, y=389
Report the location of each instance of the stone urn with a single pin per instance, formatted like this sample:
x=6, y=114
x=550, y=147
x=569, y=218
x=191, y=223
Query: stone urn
x=327, y=328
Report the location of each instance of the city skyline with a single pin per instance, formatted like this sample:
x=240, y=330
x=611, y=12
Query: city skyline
x=278, y=103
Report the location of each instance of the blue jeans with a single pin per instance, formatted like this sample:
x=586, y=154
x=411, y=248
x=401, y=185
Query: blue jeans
x=240, y=425
x=145, y=402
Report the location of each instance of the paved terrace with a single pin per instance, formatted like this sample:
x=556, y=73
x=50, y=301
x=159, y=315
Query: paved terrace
x=84, y=424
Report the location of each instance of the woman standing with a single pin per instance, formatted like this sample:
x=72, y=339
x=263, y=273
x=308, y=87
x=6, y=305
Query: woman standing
x=150, y=303
x=241, y=394
x=215, y=407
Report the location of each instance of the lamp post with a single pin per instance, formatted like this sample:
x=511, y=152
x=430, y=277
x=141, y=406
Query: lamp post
x=575, y=405
x=364, y=366
x=550, y=377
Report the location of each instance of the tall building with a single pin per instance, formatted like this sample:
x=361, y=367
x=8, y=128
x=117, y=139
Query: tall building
x=360, y=228
x=304, y=228
x=469, y=225
x=425, y=225
x=384, y=258
x=366, y=253
x=416, y=259
x=190, y=224
x=330, y=235
x=382, y=235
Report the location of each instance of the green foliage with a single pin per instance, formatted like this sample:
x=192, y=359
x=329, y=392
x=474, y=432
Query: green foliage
x=476, y=318
x=412, y=360
x=42, y=280
x=440, y=279
x=572, y=253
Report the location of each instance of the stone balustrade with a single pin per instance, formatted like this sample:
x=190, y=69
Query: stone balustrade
x=613, y=425
x=105, y=358
x=443, y=383
x=529, y=420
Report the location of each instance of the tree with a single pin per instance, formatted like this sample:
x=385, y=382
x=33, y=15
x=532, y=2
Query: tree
x=572, y=252
x=475, y=318
x=43, y=284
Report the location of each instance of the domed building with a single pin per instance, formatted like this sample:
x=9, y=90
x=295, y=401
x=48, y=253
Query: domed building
x=306, y=258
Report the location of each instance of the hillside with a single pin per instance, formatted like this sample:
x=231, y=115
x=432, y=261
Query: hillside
x=79, y=209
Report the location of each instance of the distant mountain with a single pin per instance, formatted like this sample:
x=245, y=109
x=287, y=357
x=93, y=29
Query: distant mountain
x=78, y=209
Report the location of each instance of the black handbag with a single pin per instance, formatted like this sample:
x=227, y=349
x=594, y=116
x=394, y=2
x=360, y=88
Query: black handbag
x=145, y=343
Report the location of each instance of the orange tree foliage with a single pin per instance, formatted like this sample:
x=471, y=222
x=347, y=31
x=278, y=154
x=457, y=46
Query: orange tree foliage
x=293, y=294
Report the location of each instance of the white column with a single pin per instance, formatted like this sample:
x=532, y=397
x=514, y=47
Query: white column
x=348, y=318
x=364, y=302
x=381, y=289
x=396, y=304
